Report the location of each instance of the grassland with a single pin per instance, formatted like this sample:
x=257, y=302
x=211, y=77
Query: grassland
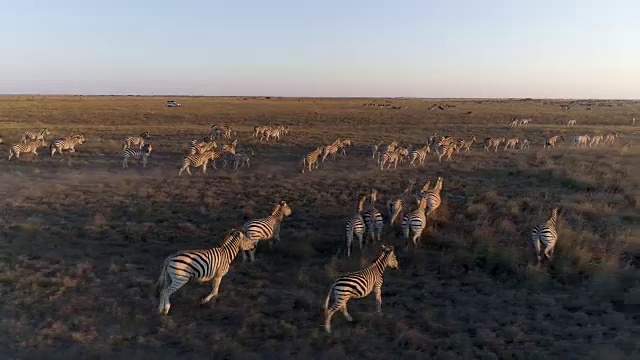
x=82, y=241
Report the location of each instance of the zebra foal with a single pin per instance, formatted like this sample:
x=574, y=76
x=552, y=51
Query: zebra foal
x=267, y=228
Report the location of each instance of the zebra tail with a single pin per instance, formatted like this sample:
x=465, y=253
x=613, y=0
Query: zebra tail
x=326, y=302
x=163, y=279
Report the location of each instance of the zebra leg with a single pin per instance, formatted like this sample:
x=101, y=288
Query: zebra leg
x=204, y=168
x=536, y=247
x=548, y=253
x=252, y=255
x=345, y=312
x=332, y=310
x=144, y=162
x=188, y=171
x=349, y=241
x=378, y=292
x=244, y=255
x=214, y=292
x=360, y=241
x=124, y=163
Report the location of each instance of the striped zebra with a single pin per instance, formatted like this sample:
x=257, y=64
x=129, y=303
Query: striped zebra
x=392, y=157
x=228, y=154
x=524, y=144
x=355, y=226
x=596, y=139
x=465, y=144
x=419, y=156
x=311, y=159
x=136, y=140
x=571, y=122
x=143, y=153
x=581, y=140
x=515, y=122
x=373, y=220
x=385, y=148
x=551, y=141
x=402, y=202
x=374, y=150
x=259, y=130
x=34, y=135
x=343, y=146
x=545, y=235
x=433, y=196
x=198, y=160
x=201, y=266
x=611, y=138
x=66, y=144
x=445, y=150
x=198, y=147
x=29, y=147
x=243, y=158
x=357, y=285
x=331, y=149
x=493, y=143
x=266, y=228
x=525, y=122
x=511, y=144
x=274, y=133
x=414, y=222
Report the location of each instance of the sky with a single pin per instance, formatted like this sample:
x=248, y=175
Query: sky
x=336, y=48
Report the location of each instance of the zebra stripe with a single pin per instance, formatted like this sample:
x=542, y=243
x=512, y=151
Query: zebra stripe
x=445, y=150
x=34, y=135
x=419, y=155
x=311, y=159
x=143, y=153
x=551, y=141
x=415, y=222
x=198, y=160
x=66, y=144
x=356, y=226
x=493, y=143
x=373, y=220
x=358, y=285
x=266, y=228
x=136, y=140
x=433, y=196
x=200, y=265
x=28, y=147
x=545, y=235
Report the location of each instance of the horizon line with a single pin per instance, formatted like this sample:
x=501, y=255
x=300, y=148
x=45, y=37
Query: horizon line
x=317, y=97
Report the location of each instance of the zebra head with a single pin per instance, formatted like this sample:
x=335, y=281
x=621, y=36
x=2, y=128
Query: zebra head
x=145, y=135
x=147, y=148
x=284, y=208
x=390, y=256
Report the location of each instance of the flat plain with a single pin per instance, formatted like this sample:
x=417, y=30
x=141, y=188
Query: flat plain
x=82, y=240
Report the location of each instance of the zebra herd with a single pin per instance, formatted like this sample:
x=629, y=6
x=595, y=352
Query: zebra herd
x=31, y=141
x=206, y=265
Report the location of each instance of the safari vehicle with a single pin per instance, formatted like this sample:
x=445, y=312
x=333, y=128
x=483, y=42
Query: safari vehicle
x=171, y=103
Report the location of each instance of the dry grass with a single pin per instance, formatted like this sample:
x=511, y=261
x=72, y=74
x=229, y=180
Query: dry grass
x=82, y=240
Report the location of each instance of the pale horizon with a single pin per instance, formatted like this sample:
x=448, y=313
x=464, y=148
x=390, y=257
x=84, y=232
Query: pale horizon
x=565, y=49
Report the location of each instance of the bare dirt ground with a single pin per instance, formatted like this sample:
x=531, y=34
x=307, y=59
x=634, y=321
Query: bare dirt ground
x=82, y=240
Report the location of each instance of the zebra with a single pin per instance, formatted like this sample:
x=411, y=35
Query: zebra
x=198, y=147
x=31, y=135
x=445, y=150
x=546, y=235
x=382, y=149
x=551, y=141
x=28, y=147
x=415, y=222
x=392, y=157
x=524, y=122
x=611, y=138
x=200, y=265
x=228, y=153
x=374, y=150
x=66, y=144
x=359, y=284
x=257, y=130
x=571, y=122
x=493, y=142
x=343, y=146
x=419, y=155
x=136, y=140
x=524, y=144
x=511, y=143
x=274, y=133
x=243, y=158
x=143, y=153
x=433, y=196
x=515, y=122
x=355, y=225
x=331, y=149
x=465, y=144
x=401, y=202
x=198, y=160
x=266, y=228
x=579, y=140
x=596, y=139
x=311, y=159
x=373, y=218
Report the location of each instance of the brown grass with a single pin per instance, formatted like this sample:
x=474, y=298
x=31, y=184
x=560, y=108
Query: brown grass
x=82, y=240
